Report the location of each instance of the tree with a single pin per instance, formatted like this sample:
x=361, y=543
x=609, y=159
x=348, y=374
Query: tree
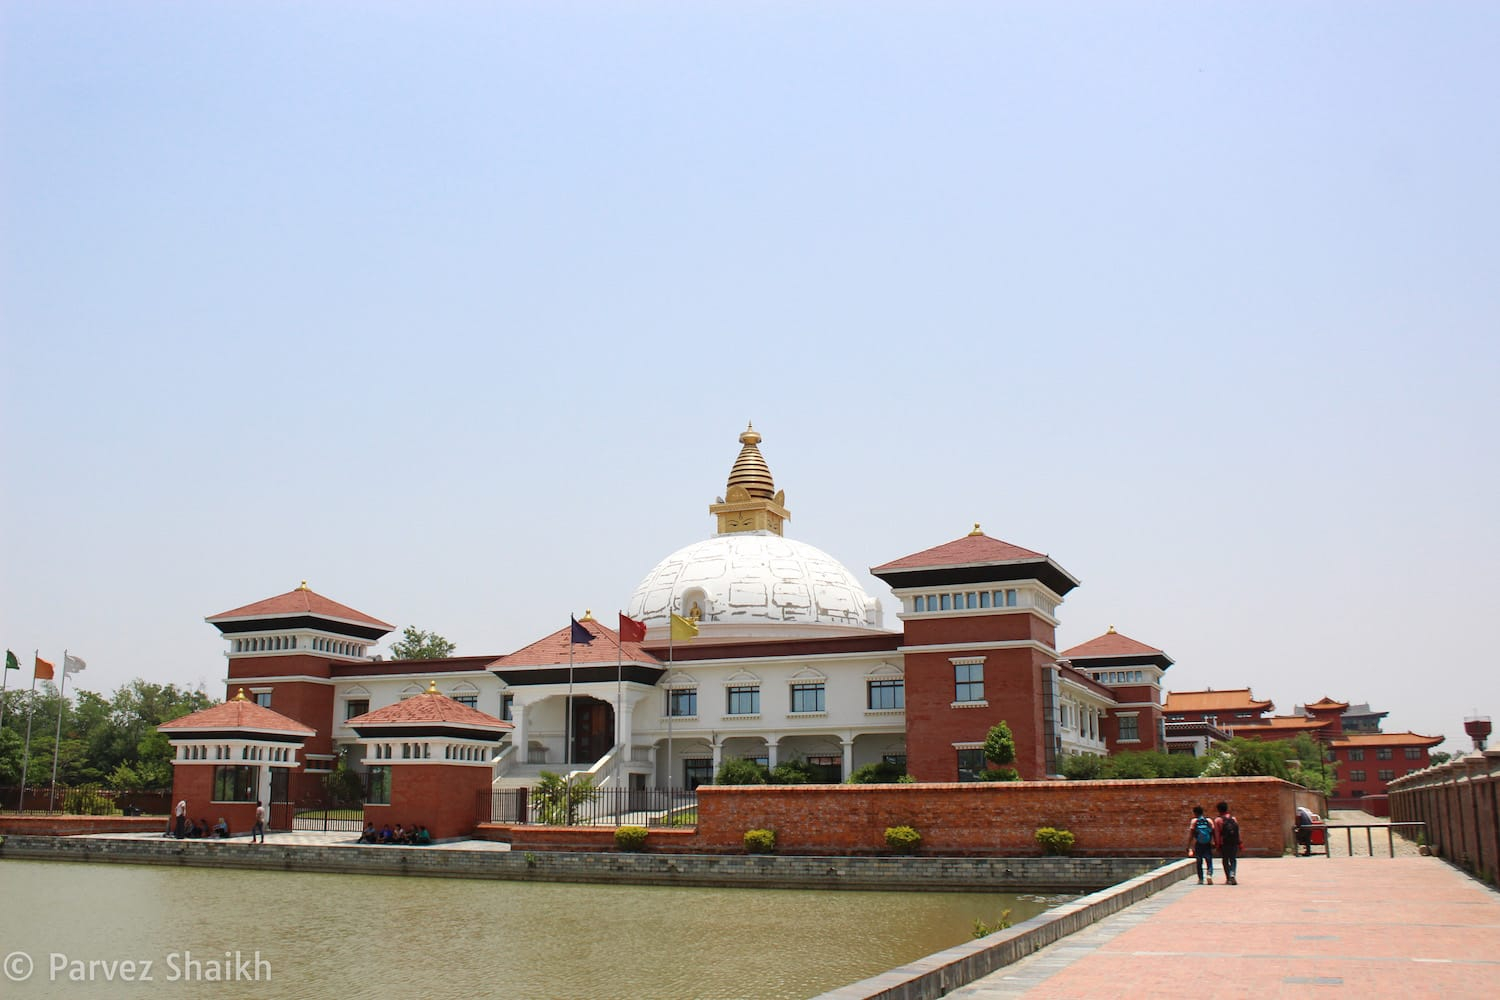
x=416, y=644
x=1000, y=750
x=736, y=771
x=557, y=799
x=1439, y=757
x=878, y=773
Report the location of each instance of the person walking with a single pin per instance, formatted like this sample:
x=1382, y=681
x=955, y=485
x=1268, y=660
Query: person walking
x=1227, y=834
x=259, y=830
x=1201, y=843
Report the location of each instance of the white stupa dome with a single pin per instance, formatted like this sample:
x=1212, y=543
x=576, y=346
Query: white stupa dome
x=755, y=578
x=748, y=578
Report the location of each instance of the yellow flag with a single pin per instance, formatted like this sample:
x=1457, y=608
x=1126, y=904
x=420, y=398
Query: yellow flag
x=683, y=628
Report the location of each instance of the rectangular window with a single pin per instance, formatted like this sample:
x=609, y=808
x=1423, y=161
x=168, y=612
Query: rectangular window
x=947, y=602
x=236, y=783
x=472, y=700
x=970, y=763
x=984, y=598
x=1356, y=775
x=1413, y=753
x=378, y=787
x=263, y=699
x=1383, y=753
x=1010, y=598
x=826, y=770
x=508, y=707
x=682, y=703
x=743, y=700
x=968, y=682
x=355, y=706
x=894, y=759
x=886, y=693
x=1387, y=775
x=971, y=600
x=807, y=698
x=697, y=771
x=1356, y=755
x=1129, y=728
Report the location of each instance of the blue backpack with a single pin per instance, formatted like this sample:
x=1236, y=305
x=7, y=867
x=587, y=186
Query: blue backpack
x=1204, y=830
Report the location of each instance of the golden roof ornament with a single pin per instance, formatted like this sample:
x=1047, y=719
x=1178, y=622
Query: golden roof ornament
x=976, y=530
x=751, y=502
x=304, y=586
x=431, y=687
x=588, y=615
x=241, y=696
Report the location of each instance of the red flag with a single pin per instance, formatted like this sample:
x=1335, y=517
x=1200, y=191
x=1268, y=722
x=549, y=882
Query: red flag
x=631, y=630
x=43, y=669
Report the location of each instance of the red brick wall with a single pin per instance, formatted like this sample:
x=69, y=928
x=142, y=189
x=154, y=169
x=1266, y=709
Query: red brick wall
x=443, y=797
x=1460, y=803
x=195, y=783
x=1109, y=818
x=244, y=669
x=68, y=826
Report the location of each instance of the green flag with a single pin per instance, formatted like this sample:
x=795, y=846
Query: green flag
x=11, y=663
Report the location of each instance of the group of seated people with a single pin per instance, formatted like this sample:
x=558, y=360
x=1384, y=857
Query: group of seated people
x=416, y=835
x=201, y=829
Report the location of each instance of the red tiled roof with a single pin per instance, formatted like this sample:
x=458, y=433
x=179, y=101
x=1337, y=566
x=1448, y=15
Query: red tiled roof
x=237, y=713
x=430, y=708
x=301, y=602
x=1387, y=740
x=1228, y=700
x=971, y=549
x=553, y=649
x=1111, y=643
x=1289, y=723
x=1327, y=703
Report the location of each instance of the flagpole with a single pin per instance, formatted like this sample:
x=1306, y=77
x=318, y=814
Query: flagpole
x=4, y=683
x=30, y=710
x=619, y=686
x=568, y=733
x=62, y=702
x=671, y=709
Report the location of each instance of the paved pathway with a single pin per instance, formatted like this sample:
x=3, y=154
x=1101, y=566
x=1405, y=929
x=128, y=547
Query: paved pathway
x=315, y=838
x=1294, y=927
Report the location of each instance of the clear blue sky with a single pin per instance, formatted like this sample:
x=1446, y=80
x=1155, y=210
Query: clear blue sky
x=455, y=310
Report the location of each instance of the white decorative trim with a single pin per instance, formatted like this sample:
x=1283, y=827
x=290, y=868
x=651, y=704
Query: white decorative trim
x=968, y=746
x=965, y=661
x=981, y=703
x=807, y=715
x=885, y=711
x=956, y=647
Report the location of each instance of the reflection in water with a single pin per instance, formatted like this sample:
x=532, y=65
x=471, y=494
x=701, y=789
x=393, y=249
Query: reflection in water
x=379, y=936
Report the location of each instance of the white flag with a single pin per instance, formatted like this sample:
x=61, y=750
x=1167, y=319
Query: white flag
x=72, y=664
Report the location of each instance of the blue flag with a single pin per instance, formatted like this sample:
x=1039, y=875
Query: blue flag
x=579, y=633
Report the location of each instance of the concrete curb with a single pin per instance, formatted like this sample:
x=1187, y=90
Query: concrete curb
x=940, y=973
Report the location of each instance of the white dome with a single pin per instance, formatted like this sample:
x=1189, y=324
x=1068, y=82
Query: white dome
x=755, y=578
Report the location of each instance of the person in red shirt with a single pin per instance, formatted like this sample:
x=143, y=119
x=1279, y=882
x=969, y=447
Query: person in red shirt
x=1227, y=837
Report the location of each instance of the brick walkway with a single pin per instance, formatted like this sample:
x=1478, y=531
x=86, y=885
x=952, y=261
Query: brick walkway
x=1293, y=927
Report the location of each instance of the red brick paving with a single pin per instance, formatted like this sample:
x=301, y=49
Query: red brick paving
x=1294, y=927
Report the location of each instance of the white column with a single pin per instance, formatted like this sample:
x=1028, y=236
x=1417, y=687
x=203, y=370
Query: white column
x=848, y=743
x=718, y=747
x=771, y=742
x=518, y=734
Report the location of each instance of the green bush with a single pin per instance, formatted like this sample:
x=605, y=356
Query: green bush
x=734, y=771
x=87, y=800
x=982, y=929
x=760, y=841
x=999, y=774
x=902, y=839
x=630, y=838
x=1083, y=767
x=792, y=772
x=879, y=773
x=1055, y=841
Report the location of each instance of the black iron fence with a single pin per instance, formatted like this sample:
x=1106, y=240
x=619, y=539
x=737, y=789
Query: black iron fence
x=87, y=800
x=580, y=805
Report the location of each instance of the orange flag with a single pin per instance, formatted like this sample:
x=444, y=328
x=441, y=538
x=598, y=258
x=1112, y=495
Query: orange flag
x=43, y=669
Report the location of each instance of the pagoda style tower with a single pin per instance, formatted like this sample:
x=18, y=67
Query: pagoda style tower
x=751, y=502
x=980, y=623
x=284, y=651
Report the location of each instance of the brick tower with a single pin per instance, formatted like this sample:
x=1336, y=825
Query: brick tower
x=980, y=634
x=284, y=651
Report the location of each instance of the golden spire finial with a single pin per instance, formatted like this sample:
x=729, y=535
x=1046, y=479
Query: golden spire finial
x=1111, y=631
x=751, y=502
x=588, y=615
x=432, y=687
x=976, y=530
x=303, y=586
x=241, y=696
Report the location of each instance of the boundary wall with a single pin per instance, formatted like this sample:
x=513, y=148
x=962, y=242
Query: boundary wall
x=749, y=871
x=1460, y=803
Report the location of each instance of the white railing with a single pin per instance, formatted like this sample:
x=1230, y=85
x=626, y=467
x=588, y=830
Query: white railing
x=605, y=769
x=503, y=762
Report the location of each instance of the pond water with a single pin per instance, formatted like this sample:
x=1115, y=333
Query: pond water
x=323, y=935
